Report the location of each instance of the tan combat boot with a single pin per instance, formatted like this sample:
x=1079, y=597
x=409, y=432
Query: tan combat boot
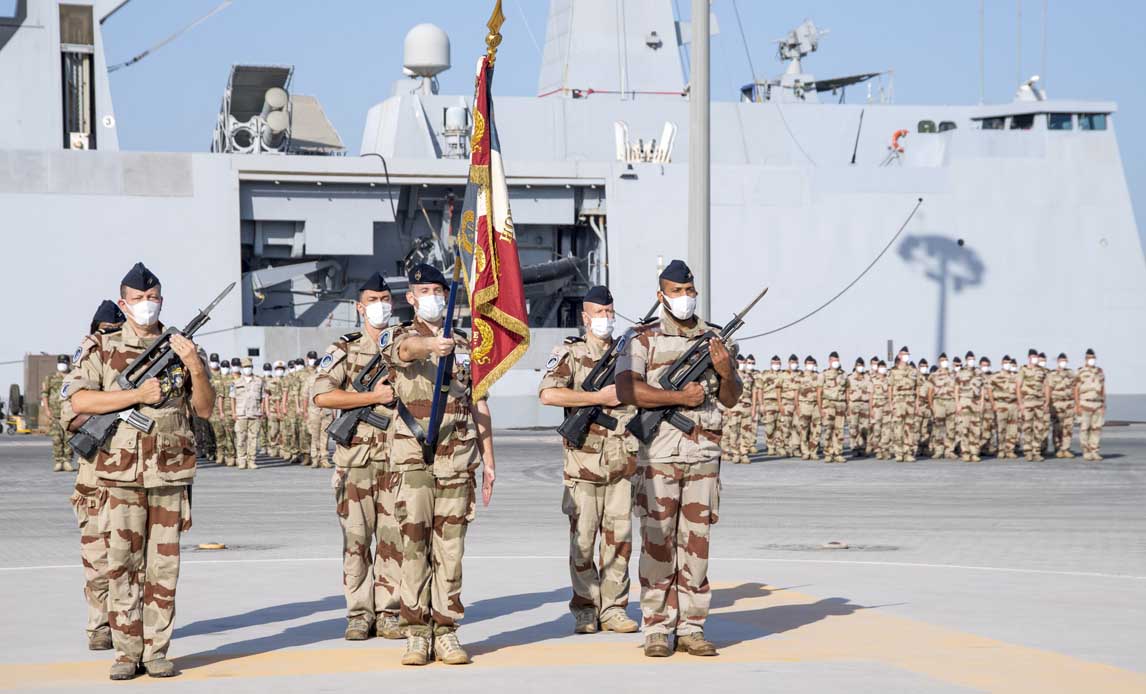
x=58, y=467
x=1067, y=454
x=695, y=644
x=657, y=646
x=160, y=667
x=100, y=640
x=123, y=670
x=357, y=629
x=387, y=627
x=417, y=650
x=68, y=466
x=619, y=622
x=585, y=622
x=448, y=650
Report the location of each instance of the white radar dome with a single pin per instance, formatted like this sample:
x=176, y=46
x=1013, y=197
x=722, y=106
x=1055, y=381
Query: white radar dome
x=426, y=50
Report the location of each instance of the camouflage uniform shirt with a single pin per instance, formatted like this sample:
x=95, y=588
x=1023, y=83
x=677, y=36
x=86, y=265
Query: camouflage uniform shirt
x=341, y=364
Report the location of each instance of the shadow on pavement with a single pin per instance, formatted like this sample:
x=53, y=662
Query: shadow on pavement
x=263, y=615
x=301, y=635
x=502, y=605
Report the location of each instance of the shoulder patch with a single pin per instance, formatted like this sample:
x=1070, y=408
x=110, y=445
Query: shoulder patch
x=621, y=342
x=64, y=391
x=552, y=362
x=326, y=363
x=79, y=353
x=384, y=339
x=351, y=337
x=574, y=339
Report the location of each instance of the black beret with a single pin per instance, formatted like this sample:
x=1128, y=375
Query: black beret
x=984, y=358
x=1090, y=352
x=1032, y=352
x=235, y=361
x=882, y=363
x=266, y=366
x=108, y=312
x=775, y=357
x=942, y=355
x=374, y=283
x=739, y=357
x=911, y=364
x=904, y=349
x=957, y=360
x=427, y=274
x=1043, y=355
x=1062, y=355
x=214, y=356
x=809, y=358
x=312, y=354
x=139, y=277
x=751, y=357
x=62, y=359
x=793, y=357
x=859, y=360
x=969, y=355
x=1007, y=357
x=835, y=354
x=677, y=271
x=598, y=295
x=922, y=362
x=875, y=358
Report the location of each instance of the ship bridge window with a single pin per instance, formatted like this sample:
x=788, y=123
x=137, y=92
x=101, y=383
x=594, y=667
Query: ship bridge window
x=1060, y=121
x=945, y=125
x=1024, y=121
x=926, y=126
x=1092, y=121
x=994, y=123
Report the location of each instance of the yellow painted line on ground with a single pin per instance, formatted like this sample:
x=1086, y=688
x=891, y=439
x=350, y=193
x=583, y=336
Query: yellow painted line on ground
x=778, y=626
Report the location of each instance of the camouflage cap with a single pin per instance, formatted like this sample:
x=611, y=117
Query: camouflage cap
x=245, y=361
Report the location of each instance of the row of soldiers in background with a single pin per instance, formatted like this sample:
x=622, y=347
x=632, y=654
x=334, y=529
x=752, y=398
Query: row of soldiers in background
x=953, y=409
x=272, y=412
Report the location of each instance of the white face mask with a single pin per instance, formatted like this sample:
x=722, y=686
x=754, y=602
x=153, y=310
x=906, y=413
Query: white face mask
x=834, y=364
x=791, y=367
x=214, y=365
x=602, y=326
x=905, y=358
x=224, y=370
x=311, y=362
x=775, y=367
x=923, y=370
x=378, y=313
x=860, y=369
x=431, y=308
x=278, y=373
x=985, y=369
x=1034, y=361
x=145, y=312
x=751, y=367
x=943, y=364
x=682, y=307
x=883, y=370
x=1090, y=361
x=248, y=370
x=810, y=368
x=1062, y=365
x=62, y=368
x=1043, y=363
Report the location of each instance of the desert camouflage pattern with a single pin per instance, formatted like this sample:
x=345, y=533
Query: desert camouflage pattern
x=364, y=489
x=1092, y=403
x=943, y=423
x=1035, y=406
x=651, y=350
x=50, y=392
x=275, y=393
x=807, y=414
x=969, y=410
x=568, y=367
x=903, y=385
x=859, y=411
x=835, y=392
x=605, y=510
x=768, y=395
x=143, y=527
x=1002, y=388
x=744, y=436
x=317, y=420
x=988, y=444
x=291, y=424
x=923, y=417
x=880, y=416
x=789, y=388
x=246, y=396
x=1062, y=382
x=221, y=422
x=676, y=504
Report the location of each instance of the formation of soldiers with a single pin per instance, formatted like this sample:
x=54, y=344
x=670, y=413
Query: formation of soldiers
x=404, y=502
x=957, y=408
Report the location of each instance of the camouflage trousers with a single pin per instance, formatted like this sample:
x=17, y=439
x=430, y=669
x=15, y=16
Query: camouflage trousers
x=923, y=426
x=1062, y=425
x=1007, y=426
x=786, y=432
x=748, y=433
x=606, y=509
x=246, y=442
x=433, y=515
x=676, y=504
x=903, y=428
x=61, y=454
x=859, y=428
x=969, y=423
x=770, y=418
x=730, y=434
x=1090, y=430
x=274, y=440
x=833, y=425
x=224, y=441
x=943, y=429
x=1034, y=431
x=143, y=527
x=316, y=424
x=364, y=501
x=288, y=434
x=807, y=438
x=87, y=503
x=304, y=438
x=987, y=432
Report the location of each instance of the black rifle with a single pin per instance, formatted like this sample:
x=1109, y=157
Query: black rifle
x=342, y=429
x=157, y=361
x=575, y=428
x=688, y=368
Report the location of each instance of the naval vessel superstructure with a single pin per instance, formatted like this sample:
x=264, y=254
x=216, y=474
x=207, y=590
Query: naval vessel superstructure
x=1025, y=236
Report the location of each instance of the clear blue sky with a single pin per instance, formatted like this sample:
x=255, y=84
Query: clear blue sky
x=349, y=52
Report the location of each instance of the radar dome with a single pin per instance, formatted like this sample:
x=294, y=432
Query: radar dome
x=426, y=51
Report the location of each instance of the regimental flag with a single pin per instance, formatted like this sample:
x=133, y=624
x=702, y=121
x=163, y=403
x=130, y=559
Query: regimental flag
x=488, y=248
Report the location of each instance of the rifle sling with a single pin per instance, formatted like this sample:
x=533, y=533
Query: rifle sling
x=417, y=430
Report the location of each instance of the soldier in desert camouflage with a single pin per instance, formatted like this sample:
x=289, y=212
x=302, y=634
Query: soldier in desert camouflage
x=789, y=387
x=858, y=397
x=768, y=404
x=364, y=482
x=1033, y=395
x=1090, y=406
x=941, y=399
x=50, y=406
x=1003, y=402
x=678, y=488
x=436, y=488
x=317, y=418
x=146, y=476
x=834, y=385
x=1062, y=382
x=598, y=497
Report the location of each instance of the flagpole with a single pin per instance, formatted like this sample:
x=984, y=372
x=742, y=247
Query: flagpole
x=699, y=183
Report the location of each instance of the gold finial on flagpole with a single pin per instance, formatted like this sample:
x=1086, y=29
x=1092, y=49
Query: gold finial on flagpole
x=493, y=38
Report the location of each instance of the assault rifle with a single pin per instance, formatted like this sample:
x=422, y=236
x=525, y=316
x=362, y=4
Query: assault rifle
x=157, y=361
x=575, y=428
x=342, y=429
x=688, y=368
